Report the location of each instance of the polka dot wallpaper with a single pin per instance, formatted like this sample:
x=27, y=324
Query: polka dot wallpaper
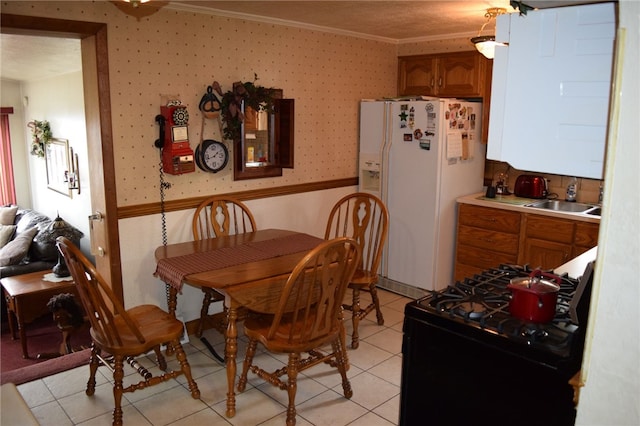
x=180, y=53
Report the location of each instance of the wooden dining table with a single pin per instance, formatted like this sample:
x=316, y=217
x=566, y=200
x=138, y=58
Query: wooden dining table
x=249, y=268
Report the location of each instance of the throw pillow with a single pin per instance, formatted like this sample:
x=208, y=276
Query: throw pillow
x=16, y=250
x=6, y=232
x=8, y=215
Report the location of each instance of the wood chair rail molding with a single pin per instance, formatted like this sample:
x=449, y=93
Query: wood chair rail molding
x=192, y=203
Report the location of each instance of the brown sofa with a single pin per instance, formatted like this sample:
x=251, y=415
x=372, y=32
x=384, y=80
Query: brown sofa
x=41, y=253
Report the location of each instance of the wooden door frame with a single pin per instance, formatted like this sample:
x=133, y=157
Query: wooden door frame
x=98, y=116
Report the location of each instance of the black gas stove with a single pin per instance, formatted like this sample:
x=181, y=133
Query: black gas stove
x=468, y=357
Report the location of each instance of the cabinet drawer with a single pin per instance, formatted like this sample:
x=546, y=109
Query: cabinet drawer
x=586, y=234
x=465, y=271
x=488, y=218
x=491, y=240
x=549, y=229
x=483, y=258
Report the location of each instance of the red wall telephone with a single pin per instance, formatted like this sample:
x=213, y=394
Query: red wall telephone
x=177, y=155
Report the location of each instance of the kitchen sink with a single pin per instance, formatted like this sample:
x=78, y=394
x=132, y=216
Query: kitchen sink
x=562, y=206
x=595, y=211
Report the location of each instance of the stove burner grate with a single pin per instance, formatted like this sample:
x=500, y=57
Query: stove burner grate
x=483, y=301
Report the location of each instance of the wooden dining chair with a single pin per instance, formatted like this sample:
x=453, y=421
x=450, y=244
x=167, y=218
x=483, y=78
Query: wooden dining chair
x=306, y=319
x=365, y=218
x=219, y=216
x=121, y=333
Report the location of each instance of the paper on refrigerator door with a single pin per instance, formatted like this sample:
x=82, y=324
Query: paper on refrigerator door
x=454, y=145
x=457, y=145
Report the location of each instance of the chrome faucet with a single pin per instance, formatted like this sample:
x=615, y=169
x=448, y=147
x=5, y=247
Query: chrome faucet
x=572, y=190
x=601, y=195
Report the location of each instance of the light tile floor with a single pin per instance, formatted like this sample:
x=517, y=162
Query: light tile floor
x=374, y=375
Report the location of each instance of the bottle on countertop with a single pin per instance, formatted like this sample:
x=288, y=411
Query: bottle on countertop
x=572, y=190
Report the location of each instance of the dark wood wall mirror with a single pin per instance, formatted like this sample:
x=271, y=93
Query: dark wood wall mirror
x=266, y=144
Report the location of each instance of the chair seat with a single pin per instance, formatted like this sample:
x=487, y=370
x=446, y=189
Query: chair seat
x=156, y=325
x=363, y=278
x=257, y=327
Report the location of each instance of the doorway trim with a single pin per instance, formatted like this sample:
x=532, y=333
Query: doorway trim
x=94, y=50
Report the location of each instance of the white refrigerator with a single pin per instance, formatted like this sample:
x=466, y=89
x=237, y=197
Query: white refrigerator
x=418, y=156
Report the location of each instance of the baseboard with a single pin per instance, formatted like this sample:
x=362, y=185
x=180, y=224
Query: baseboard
x=401, y=288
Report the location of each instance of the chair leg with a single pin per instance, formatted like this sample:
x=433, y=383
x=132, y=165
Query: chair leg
x=342, y=363
x=204, y=312
x=355, y=318
x=118, y=375
x=160, y=359
x=186, y=369
x=292, y=387
x=248, y=359
x=94, y=362
x=376, y=303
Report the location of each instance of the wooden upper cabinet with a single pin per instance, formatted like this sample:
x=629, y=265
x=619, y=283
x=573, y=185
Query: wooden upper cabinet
x=459, y=74
x=448, y=75
x=417, y=75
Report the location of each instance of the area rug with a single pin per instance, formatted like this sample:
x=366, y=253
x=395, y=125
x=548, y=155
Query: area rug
x=43, y=336
x=46, y=368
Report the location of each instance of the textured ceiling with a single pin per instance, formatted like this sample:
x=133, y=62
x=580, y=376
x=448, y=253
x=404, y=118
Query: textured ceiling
x=395, y=21
x=30, y=58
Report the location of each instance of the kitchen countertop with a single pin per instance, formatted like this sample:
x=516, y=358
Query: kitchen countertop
x=576, y=266
x=518, y=204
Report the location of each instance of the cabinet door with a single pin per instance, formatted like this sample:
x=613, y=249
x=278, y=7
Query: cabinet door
x=586, y=234
x=459, y=75
x=545, y=254
x=417, y=75
x=586, y=237
x=551, y=89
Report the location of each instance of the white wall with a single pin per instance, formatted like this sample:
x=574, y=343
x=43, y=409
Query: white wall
x=306, y=212
x=60, y=101
x=611, y=395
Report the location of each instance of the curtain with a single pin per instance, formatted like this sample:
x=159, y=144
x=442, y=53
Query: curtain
x=7, y=184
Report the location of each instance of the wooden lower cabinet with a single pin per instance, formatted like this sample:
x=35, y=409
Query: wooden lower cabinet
x=544, y=254
x=547, y=242
x=586, y=237
x=487, y=237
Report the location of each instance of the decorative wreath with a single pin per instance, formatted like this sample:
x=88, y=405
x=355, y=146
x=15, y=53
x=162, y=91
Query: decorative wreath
x=41, y=133
x=254, y=96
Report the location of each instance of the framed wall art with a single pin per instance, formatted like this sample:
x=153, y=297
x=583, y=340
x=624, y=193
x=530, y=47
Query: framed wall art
x=57, y=162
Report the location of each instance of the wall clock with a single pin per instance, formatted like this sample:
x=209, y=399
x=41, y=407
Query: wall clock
x=214, y=155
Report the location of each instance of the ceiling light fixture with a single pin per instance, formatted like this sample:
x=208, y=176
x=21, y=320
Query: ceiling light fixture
x=136, y=3
x=137, y=9
x=487, y=44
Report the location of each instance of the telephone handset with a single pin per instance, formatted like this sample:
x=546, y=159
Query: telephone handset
x=160, y=120
x=177, y=155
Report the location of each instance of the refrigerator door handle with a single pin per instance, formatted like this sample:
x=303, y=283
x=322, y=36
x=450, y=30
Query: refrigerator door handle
x=384, y=173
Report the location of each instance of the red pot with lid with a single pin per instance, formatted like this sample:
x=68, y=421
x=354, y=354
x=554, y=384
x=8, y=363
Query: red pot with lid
x=534, y=298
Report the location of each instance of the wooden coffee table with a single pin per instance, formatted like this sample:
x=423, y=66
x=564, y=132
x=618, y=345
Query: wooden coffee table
x=27, y=296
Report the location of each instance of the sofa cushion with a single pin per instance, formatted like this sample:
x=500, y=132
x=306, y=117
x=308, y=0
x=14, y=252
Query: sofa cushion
x=6, y=233
x=26, y=219
x=40, y=250
x=8, y=215
x=17, y=249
